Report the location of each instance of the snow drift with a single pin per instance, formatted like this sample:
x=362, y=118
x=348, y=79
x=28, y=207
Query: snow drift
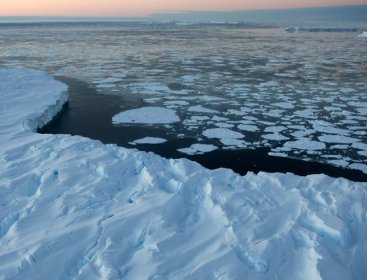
x=73, y=208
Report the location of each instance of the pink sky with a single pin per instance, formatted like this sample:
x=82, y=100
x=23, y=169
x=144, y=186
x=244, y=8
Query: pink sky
x=146, y=7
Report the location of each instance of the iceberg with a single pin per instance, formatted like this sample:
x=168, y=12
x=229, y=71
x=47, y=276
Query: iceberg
x=74, y=208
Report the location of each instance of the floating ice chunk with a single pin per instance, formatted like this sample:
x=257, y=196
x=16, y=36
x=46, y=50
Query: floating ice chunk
x=339, y=162
x=305, y=144
x=224, y=125
x=201, y=109
x=276, y=113
x=328, y=128
x=105, y=86
x=359, y=166
x=190, y=78
x=284, y=105
x=340, y=147
x=211, y=98
x=176, y=103
x=152, y=99
x=150, y=88
x=360, y=146
x=277, y=154
x=217, y=118
x=307, y=113
x=275, y=129
x=107, y=81
x=337, y=139
x=274, y=137
x=146, y=115
x=363, y=35
x=150, y=140
x=195, y=120
x=233, y=142
x=198, y=149
x=248, y=127
x=302, y=133
x=222, y=133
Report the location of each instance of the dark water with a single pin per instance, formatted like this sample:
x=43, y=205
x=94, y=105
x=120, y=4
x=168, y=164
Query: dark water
x=89, y=114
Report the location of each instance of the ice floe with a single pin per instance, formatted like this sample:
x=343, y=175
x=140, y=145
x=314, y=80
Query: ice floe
x=74, y=208
x=150, y=140
x=305, y=144
x=201, y=109
x=331, y=138
x=248, y=127
x=222, y=133
x=198, y=149
x=146, y=115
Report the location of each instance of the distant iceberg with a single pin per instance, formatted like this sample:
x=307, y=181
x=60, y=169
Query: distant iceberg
x=320, y=29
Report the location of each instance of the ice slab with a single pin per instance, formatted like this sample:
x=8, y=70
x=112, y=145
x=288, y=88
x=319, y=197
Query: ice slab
x=248, y=127
x=305, y=144
x=222, y=133
x=150, y=140
x=329, y=138
x=146, y=115
x=198, y=149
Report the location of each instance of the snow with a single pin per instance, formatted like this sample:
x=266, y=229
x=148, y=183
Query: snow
x=146, y=115
x=150, y=140
x=363, y=35
x=74, y=208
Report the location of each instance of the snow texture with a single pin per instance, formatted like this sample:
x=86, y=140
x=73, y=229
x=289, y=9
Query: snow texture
x=73, y=208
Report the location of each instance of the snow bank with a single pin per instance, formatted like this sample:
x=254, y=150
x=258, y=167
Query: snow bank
x=73, y=208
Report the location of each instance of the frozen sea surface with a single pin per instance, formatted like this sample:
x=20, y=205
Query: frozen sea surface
x=74, y=208
x=250, y=81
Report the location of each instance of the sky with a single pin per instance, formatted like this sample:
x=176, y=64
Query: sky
x=130, y=8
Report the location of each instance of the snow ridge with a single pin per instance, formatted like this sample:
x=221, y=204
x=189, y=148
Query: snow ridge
x=73, y=208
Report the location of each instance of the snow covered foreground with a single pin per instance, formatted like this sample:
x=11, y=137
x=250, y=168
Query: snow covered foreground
x=73, y=208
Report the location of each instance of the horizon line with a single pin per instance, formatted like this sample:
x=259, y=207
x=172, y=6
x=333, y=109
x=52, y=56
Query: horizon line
x=181, y=12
